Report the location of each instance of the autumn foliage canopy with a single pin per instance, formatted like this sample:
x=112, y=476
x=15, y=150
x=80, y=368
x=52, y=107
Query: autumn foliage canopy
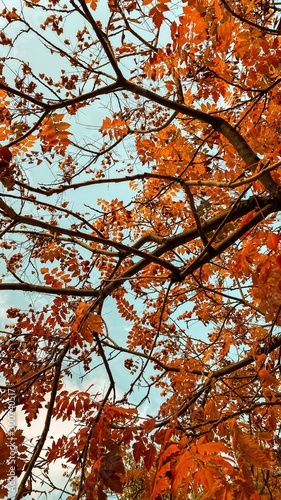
x=140, y=260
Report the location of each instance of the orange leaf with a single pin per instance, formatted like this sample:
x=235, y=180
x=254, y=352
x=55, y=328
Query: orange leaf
x=173, y=448
x=58, y=117
x=161, y=485
x=273, y=241
x=251, y=450
x=62, y=126
x=81, y=309
x=86, y=333
x=185, y=467
x=96, y=323
x=93, y=4
x=250, y=7
x=11, y=15
x=266, y=377
x=213, y=447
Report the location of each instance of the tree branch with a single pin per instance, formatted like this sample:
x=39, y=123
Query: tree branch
x=41, y=441
x=218, y=124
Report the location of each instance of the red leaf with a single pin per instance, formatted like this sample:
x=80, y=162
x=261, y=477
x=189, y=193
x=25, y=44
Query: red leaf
x=278, y=260
x=6, y=154
x=157, y=16
x=149, y=425
x=138, y=450
x=149, y=456
x=2, y=437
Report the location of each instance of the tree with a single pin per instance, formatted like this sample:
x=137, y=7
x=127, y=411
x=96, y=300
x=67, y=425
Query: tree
x=140, y=249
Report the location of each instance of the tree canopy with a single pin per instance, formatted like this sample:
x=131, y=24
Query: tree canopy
x=140, y=249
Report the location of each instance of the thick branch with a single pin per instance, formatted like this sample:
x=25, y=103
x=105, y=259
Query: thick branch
x=247, y=21
x=219, y=124
x=29, y=287
x=28, y=221
x=103, y=39
x=222, y=372
x=229, y=240
x=23, y=95
x=152, y=175
x=262, y=205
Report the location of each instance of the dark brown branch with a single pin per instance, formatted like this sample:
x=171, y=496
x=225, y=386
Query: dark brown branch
x=261, y=214
x=150, y=175
x=41, y=441
x=223, y=372
x=103, y=40
x=49, y=290
x=250, y=23
x=218, y=123
x=28, y=221
x=31, y=130
x=22, y=95
x=195, y=214
x=262, y=205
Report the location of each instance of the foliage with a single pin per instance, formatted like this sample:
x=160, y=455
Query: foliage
x=141, y=248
